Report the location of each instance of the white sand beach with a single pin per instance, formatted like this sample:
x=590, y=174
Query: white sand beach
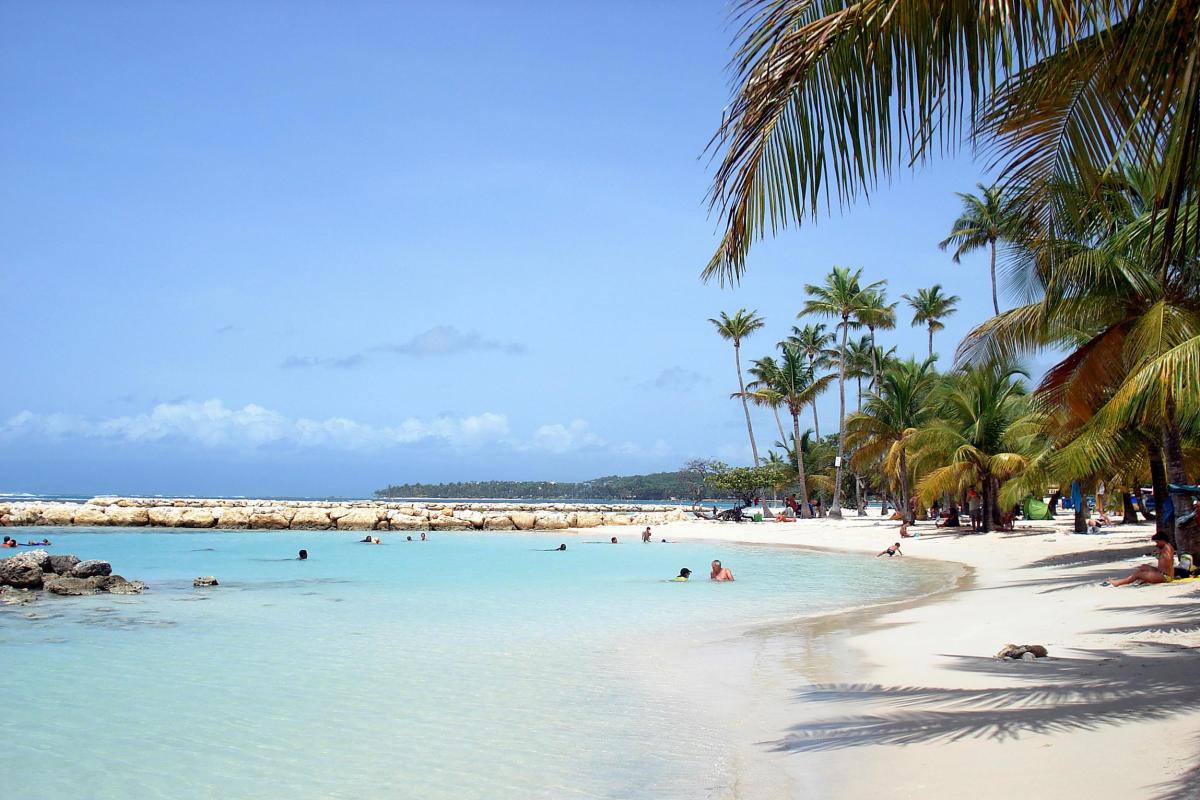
x=928, y=712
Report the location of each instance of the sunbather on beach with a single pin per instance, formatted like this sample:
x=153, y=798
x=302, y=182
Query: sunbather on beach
x=720, y=573
x=894, y=550
x=1162, y=572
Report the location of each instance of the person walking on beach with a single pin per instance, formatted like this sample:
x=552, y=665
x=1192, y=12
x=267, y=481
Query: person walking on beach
x=720, y=573
x=974, y=507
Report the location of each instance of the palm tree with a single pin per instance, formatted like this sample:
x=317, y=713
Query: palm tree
x=795, y=382
x=762, y=392
x=930, y=307
x=984, y=221
x=860, y=363
x=842, y=297
x=1126, y=314
x=817, y=346
x=977, y=437
x=830, y=97
x=883, y=431
x=735, y=329
x=876, y=312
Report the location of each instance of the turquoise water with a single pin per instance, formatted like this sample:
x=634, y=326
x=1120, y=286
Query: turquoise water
x=471, y=665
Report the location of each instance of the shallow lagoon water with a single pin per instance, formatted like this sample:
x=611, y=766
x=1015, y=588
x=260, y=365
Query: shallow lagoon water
x=470, y=665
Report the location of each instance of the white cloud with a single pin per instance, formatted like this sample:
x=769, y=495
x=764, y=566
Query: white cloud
x=559, y=438
x=213, y=424
x=446, y=339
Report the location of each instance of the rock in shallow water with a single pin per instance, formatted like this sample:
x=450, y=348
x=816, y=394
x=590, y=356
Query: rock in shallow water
x=62, y=565
x=70, y=587
x=205, y=580
x=93, y=568
x=23, y=574
x=16, y=597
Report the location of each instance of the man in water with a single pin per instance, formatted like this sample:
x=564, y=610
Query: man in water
x=720, y=573
x=894, y=550
x=558, y=549
x=303, y=556
x=9, y=542
x=683, y=575
x=422, y=536
x=645, y=536
x=613, y=540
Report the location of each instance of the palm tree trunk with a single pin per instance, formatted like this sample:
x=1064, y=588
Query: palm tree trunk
x=1127, y=506
x=816, y=424
x=987, y=501
x=1158, y=482
x=1187, y=535
x=737, y=360
x=835, y=505
x=995, y=304
x=858, y=379
x=779, y=424
x=801, y=479
x=904, y=490
x=874, y=363
x=931, y=341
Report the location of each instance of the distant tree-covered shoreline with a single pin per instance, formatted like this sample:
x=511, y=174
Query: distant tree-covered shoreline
x=684, y=485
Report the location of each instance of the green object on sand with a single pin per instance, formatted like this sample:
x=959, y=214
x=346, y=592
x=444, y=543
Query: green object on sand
x=1036, y=509
x=757, y=517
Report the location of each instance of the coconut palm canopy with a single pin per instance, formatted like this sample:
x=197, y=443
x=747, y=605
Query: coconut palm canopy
x=832, y=96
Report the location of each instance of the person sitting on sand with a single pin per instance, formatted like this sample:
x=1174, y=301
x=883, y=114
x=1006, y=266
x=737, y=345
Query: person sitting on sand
x=303, y=556
x=894, y=550
x=683, y=575
x=645, y=536
x=949, y=518
x=1162, y=572
x=720, y=573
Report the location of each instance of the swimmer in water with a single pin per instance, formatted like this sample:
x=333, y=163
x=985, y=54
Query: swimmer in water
x=683, y=575
x=556, y=549
x=422, y=536
x=720, y=573
x=613, y=540
x=410, y=538
x=365, y=540
x=645, y=536
x=303, y=556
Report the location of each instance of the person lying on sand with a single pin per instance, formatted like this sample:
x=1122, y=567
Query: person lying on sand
x=720, y=573
x=1162, y=572
x=683, y=575
x=894, y=550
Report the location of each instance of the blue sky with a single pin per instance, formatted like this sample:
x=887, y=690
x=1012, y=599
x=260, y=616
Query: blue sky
x=313, y=248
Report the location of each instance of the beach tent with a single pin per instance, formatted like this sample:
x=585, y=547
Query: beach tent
x=1036, y=509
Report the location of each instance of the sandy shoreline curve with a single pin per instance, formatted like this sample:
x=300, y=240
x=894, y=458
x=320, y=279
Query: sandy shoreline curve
x=924, y=710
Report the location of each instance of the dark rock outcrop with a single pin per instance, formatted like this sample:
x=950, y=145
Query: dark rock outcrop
x=89, y=569
x=62, y=565
x=205, y=580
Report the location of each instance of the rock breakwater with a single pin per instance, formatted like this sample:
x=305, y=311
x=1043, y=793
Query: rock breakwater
x=364, y=515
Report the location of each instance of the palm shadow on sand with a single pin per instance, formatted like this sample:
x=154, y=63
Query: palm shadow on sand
x=1056, y=695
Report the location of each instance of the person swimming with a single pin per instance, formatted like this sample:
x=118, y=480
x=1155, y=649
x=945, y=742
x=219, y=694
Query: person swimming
x=683, y=575
x=410, y=538
x=365, y=540
x=613, y=540
x=303, y=556
x=720, y=573
x=9, y=542
x=894, y=550
x=422, y=536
